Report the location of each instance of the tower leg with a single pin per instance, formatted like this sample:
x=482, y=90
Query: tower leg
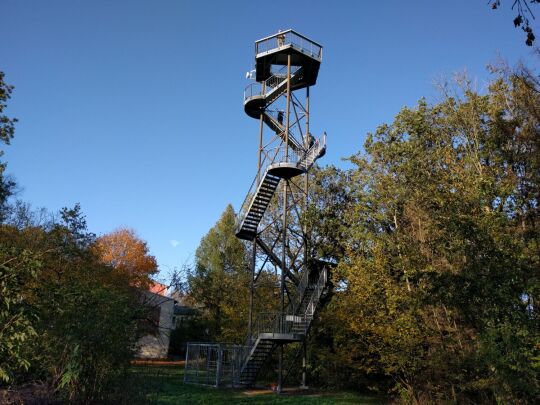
x=251, y=290
x=304, y=365
x=282, y=292
x=280, y=370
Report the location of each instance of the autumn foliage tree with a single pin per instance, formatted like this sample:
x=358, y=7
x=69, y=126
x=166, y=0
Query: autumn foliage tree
x=123, y=250
x=438, y=283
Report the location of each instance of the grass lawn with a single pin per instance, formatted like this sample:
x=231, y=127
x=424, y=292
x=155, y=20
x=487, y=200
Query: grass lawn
x=161, y=384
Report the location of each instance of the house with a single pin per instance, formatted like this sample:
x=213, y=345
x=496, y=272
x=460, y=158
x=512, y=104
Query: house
x=154, y=344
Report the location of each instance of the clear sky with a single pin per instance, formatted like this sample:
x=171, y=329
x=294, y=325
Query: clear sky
x=134, y=108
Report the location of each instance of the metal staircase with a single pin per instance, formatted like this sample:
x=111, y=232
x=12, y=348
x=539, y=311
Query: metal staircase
x=263, y=188
x=292, y=327
x=279, y=129
x=255, y=206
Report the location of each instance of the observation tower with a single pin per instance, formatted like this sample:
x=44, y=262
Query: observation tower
x=272, y=214
x=286, y=66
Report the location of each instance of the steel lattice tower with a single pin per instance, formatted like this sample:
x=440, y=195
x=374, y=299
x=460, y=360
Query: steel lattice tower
x=271, y=217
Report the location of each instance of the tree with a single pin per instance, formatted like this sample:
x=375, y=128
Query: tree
x=124, y=251
x=7, y=125
x=330, y=200
x=66, y=318
x=17, y=318
x=440, y=274
x=84, y=312
x=220, y=279
x=18, y=266
x=7, y=129
x=521, y=20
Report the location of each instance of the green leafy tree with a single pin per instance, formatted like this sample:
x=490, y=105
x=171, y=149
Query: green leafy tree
x=220, y=279
x=7, y=130
x=66, y=318
x=17, y=269
x=83, y=311
x=440, y=277
x=7, y=125
x=18, y=266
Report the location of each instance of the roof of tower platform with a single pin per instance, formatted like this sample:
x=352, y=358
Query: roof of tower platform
x=278, y=48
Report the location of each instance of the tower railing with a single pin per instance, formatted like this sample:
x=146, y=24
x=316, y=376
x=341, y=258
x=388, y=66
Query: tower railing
x=289, y=38
x=314, y=152
x=284, y=154
x=275, y=323
x=270, y=84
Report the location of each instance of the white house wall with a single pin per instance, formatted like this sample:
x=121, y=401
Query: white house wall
x=157, y=346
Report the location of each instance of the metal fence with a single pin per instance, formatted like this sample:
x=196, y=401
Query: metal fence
x=214, y=364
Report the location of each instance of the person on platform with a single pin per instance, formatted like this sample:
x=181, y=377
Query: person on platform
x=280, y=39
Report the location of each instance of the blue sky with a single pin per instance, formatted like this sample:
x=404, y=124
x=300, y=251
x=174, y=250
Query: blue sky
x=134, y=108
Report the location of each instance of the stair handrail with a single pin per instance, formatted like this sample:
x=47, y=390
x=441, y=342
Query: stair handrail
x=317, y=292
x=313, y=151
x=307, y=316
x=251, y=193
x=270, y=156
x=273, y=82
x=277, y=77
x=300, y=290
x=274, y=322
x=270, y=84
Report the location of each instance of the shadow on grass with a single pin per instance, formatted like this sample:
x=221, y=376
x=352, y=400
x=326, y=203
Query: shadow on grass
x=164, y=385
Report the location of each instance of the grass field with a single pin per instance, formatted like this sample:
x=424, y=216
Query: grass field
x=161, y=384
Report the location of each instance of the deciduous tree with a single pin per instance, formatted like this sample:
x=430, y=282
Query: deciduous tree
x=524, y=12
x=440, y=276
x=7, y=130
x=220, y=279
x=124, y=251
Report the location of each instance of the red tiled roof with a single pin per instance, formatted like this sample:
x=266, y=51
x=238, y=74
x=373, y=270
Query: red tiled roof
x=158, y=288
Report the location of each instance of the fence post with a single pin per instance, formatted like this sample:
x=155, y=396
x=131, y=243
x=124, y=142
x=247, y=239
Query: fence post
x=186, y=365
x=219, y=360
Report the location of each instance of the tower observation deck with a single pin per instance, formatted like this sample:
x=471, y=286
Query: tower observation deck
x=272, y=214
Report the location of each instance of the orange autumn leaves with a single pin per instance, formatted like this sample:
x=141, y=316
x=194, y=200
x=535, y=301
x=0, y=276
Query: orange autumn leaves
x=123, y=250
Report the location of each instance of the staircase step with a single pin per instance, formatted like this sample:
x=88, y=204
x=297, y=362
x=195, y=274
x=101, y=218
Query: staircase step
x=267, y=193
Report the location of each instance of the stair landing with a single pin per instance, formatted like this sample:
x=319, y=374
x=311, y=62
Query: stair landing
x=282, y=337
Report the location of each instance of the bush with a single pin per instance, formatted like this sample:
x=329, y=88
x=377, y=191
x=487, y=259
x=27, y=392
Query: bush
x=74, y=319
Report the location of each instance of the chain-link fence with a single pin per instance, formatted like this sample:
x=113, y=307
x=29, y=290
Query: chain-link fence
x=214, y=364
